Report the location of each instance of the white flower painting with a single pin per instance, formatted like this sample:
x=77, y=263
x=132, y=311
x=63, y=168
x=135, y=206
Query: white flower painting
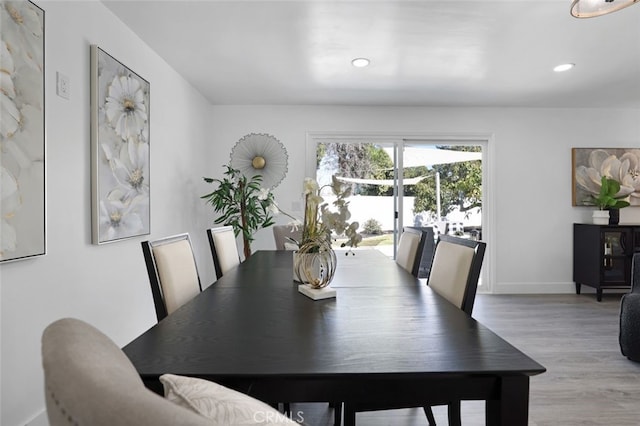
x=120, y=150
x=22, y=137
x=591, y=164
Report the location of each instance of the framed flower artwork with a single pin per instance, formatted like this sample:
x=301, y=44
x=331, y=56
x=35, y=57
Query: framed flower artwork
x=22, y=131
x=589, y=165
x=119, y=150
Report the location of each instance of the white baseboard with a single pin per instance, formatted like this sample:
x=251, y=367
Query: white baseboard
x=39, y=419
x=546, y=288
x=534, y=288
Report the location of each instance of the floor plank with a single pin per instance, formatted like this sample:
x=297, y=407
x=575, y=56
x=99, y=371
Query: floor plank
x=588, y=381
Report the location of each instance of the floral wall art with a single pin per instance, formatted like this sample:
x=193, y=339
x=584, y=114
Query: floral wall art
x=120, y=150
x=22, y=131
x=590, y=164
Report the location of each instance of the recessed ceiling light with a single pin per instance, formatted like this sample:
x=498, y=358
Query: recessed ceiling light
x=564, y=67
x=360, y=62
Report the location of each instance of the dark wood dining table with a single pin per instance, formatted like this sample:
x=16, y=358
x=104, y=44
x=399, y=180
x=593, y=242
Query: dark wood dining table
x=386, y=338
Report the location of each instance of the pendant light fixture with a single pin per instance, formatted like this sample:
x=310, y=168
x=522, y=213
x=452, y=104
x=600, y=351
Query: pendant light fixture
x=592, y=8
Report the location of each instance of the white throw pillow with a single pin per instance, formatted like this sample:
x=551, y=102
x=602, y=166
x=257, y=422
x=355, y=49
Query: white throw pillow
x=222, y=405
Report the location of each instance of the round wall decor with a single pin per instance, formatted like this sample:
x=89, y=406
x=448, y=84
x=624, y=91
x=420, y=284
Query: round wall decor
x=261, y=154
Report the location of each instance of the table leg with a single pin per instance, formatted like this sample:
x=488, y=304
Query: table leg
x=337, y=413
x=512, y=409
x=453, y=409
x=349, y=415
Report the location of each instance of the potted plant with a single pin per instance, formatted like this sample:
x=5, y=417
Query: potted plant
x=242, y=203
x=608, y=201
x=314, y=260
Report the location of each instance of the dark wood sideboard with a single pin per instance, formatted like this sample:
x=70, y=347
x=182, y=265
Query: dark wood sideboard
x=602, y=255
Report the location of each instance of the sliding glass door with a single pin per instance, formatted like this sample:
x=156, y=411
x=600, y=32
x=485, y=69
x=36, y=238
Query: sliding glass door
x=369, y=168
x=443, y=186
x=440, y=183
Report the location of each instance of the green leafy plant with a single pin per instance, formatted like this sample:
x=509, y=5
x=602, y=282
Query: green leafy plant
x=607, y=198
x=372, y=227
x=242, y=204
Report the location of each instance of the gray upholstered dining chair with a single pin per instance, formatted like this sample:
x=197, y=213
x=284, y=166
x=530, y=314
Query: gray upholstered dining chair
x=173, y=273
x=454, y=274
x=410, y=246
x=224, y=250
x=281, y=235
x=90, y=381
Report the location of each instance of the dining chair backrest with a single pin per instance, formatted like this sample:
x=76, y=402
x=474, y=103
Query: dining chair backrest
x=281, y=235
x=89, y=380
x=455, y=270
x=427, y=250
x=410, y=249
x=173, y=273
x=223, y=249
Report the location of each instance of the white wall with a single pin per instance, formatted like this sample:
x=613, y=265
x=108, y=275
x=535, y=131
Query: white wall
x=108, y=286
x=105, y=285
x=531, y=242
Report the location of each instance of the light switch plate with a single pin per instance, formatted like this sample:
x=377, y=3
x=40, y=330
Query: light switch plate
x=62, y=85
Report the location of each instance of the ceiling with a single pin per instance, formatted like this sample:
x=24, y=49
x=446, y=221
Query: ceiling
x=423, y=52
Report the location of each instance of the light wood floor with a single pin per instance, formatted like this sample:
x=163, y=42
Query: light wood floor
x=588, y=381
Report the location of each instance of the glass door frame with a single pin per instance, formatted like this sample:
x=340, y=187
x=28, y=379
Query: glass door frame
x=398, y=140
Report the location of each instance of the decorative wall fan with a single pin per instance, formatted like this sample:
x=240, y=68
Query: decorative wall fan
x=261, y=154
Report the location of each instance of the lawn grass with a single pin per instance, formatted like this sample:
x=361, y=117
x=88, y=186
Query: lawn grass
x=370, y=241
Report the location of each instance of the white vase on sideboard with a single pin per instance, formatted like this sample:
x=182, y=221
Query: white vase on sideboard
x=600, y=217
